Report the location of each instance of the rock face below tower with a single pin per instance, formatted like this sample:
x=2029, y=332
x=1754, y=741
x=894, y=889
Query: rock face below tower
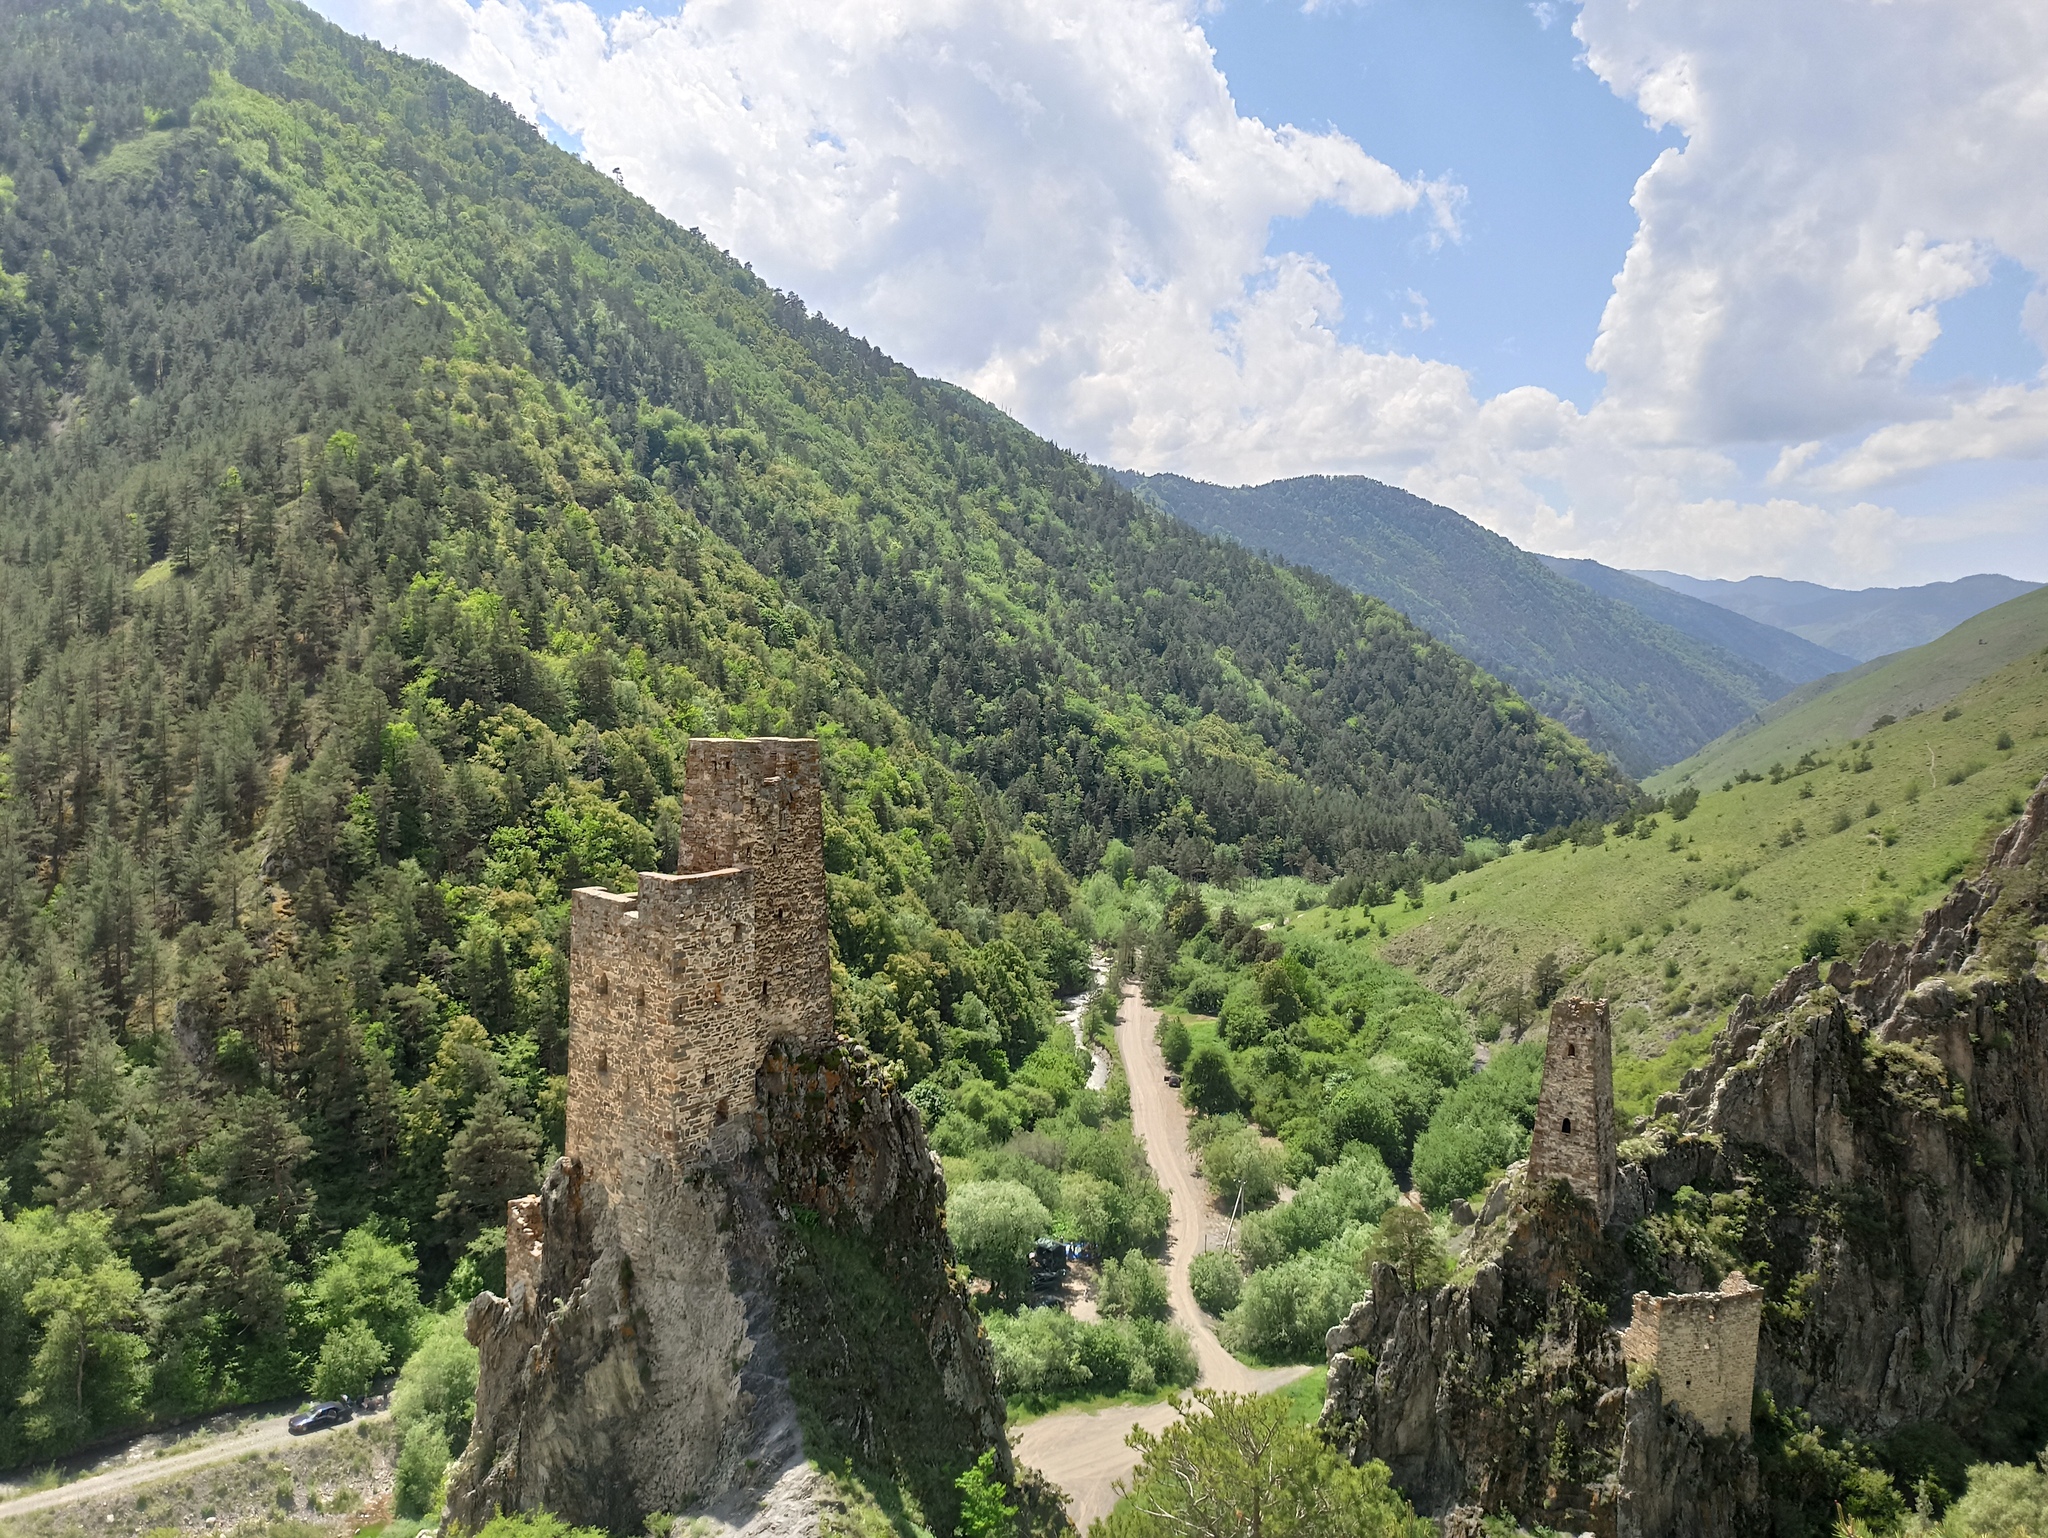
x=1874, y=1132
x=740, y=1268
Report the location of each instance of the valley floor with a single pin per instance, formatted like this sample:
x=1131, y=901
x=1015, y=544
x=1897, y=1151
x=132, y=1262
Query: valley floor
x=1083, y=1451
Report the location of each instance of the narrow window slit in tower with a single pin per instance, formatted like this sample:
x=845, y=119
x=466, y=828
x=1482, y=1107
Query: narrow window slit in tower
x=1567, y=1124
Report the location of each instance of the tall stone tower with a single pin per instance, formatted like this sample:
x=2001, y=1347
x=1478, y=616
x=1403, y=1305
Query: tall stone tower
x=677, y=991
x=1574, y=1138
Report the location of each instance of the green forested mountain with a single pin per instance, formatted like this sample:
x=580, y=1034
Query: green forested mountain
x=1647, y=692
x=1793, y=658
x=385, y=498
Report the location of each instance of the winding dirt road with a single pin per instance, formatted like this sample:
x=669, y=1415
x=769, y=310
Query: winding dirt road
x=143, y=1469
x=1084, y=1452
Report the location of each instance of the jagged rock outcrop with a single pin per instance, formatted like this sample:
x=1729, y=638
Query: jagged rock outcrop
x=695, y=1345
x=1501, y=1394
x=1868, y=1143
x=1884, y=1128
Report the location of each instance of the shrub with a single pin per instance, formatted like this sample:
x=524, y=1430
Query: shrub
x=1408, y=1241
x=535, y=1524
x=1823, y=942
x=1044, y=1355
x=1481, y=1127
x=437, y=1384
x=1357, y=1189
x=1243, y=1017
x=1287, y=1309
x=422, y=1465
x=1134, y=1288
x=2002, y=1499
x=1204, y=992
x=1243, y=1162
x=1206, y=1082
x=351, y=1356
x=983, y=1512
x=1174, y=1043
x=368, y=1278
x=1217, y=1280
x=1230, y=1456
x=1681, y=805
x=993, y=1224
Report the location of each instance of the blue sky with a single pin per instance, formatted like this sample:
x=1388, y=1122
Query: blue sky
x=1394, y=237
x=1487, y=94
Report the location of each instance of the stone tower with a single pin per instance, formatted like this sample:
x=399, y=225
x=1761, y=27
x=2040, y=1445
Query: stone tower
x=1703, y=1348
x=677, y=991
x=1574, y=1137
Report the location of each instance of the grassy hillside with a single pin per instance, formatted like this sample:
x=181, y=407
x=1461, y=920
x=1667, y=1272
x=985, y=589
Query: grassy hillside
x=385, y=499
x=1863, y=622
x=1831, y=710
x=1675, y=918
x=1628, y=683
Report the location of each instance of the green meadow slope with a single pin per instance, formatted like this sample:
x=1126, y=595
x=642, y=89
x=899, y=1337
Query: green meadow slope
x=1826, y=710
x=1675, y=919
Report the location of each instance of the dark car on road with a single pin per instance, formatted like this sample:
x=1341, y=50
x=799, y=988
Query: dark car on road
x=1172, y=1079
x=329, y=1412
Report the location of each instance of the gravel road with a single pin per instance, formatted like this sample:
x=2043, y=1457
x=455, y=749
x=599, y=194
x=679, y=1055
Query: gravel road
x=1084, y=1452
x=145, y=1469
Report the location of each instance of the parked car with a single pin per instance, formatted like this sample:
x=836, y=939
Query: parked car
x=318, y=1417
x=1172, y=1079
x=1048, y=1264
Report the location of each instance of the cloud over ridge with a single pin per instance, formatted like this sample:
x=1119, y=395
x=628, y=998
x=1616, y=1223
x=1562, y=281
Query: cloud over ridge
x=1059, y=205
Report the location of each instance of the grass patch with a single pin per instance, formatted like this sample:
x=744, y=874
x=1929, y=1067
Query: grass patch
x=1638, y=1081
x=1304, y=1396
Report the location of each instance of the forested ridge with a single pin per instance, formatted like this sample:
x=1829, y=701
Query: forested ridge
x=385, y=498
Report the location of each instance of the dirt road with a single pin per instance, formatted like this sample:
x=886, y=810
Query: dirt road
x=146, y=1469
x=1084, y=1453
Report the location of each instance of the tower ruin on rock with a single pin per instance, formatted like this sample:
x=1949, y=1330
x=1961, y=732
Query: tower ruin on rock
x=1574, y=1135
x=666, y=1342
x=677, y=991
x=1702, y=1346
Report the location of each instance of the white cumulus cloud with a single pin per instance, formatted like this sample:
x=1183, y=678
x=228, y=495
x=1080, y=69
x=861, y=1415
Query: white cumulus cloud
x=1058, y=204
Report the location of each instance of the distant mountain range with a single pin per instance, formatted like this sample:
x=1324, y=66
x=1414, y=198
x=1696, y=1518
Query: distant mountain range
x=1792, y=657
x=1638, y=670
x=1863, y=623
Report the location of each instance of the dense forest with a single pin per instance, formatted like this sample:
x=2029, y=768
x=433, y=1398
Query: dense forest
x=385, y=499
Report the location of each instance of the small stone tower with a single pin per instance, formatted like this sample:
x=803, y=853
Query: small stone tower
x=1702, y=1346
x=1574, y=1137
x=677, y=991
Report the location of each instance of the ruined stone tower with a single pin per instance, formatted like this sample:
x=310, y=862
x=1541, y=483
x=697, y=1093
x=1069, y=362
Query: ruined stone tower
x=666, y=1328
x=677, y=991
x=1574, y=1137
x=1703, y=1348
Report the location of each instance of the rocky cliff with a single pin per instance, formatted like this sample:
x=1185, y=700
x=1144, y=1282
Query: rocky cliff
x=1868, y=1143
x=710, y=1340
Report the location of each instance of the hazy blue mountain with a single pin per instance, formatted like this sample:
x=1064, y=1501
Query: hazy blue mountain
x=1788, y=655
x=1862, y=622
x=1638, y=687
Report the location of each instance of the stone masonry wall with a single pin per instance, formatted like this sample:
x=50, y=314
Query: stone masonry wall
x=1574, y=1136
x=664, y=1023
x=1703, y=1347
x=756, y=803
